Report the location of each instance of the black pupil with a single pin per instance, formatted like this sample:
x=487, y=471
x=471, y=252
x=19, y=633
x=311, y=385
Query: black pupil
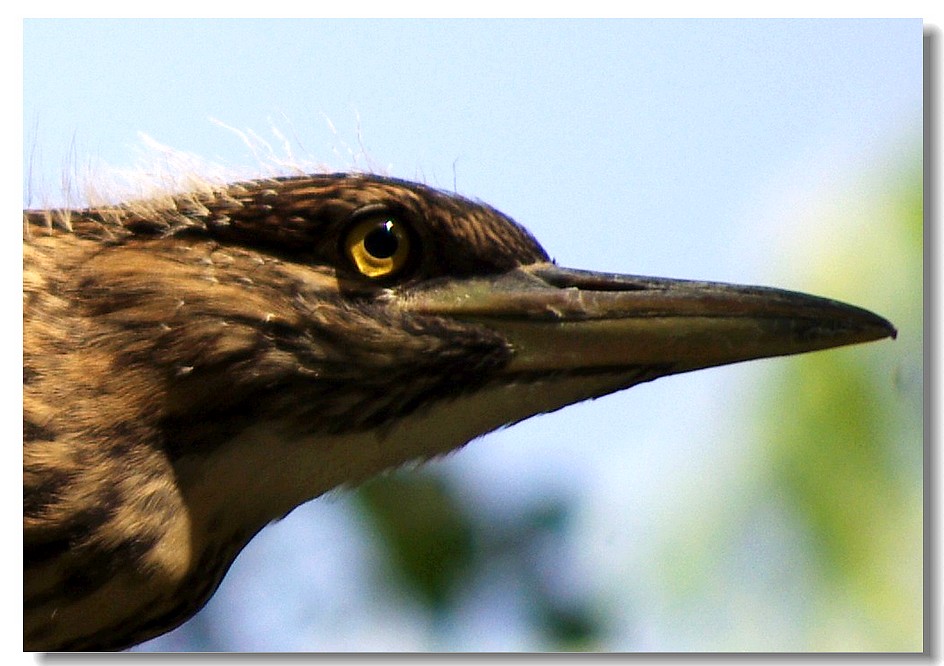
x=381, y=242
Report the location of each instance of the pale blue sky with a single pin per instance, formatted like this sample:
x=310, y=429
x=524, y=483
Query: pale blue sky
x=697, y=149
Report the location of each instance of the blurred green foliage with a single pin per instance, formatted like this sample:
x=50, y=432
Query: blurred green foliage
x=860, y=498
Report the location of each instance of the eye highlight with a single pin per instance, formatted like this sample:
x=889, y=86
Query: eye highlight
x=378, y=247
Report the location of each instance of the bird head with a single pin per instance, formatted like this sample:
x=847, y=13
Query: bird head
x=361, y=322
x=249, y=347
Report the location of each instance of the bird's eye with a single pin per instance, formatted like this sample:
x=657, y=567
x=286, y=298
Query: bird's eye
x=378, y=247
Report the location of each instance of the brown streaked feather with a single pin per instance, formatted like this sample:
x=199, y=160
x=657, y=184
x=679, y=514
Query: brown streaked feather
x=158, y=332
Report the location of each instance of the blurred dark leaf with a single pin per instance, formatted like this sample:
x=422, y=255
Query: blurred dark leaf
x=440, y=546
x=426, y=530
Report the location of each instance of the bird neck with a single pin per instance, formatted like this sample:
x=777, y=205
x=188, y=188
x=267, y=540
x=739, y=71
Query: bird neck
x=268, y=469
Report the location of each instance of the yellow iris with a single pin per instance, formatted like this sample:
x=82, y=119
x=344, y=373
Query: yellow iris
x=378, y=247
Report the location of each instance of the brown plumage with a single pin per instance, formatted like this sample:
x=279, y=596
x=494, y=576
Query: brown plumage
x=196, y=366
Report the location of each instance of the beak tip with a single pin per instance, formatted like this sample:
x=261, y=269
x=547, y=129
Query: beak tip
x=882, y=327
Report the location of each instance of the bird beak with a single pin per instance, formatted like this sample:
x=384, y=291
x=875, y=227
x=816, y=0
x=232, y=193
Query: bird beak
x=559, y=319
